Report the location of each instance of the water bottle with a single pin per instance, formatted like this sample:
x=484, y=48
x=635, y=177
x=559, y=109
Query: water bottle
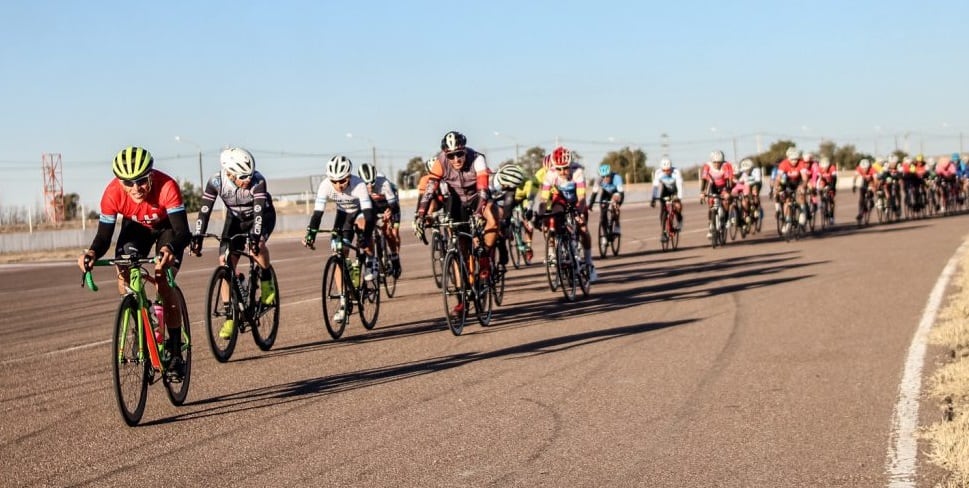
x=159, y=310
x=355, y=273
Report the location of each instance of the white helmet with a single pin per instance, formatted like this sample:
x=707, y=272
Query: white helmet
x=338, y=168
x=509, y=175
x=746, y=164
x=368, y=173
x=665, y=164
x=717, y=156
x=237, y=161
x=825, y=162
x=864, y=163
x=893, y=160
x=793, y=153
x=808, y=157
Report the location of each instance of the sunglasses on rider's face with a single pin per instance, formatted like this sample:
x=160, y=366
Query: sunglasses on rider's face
x=139, y=182
x=242, y=177
x=344, y=181
x=456, y=155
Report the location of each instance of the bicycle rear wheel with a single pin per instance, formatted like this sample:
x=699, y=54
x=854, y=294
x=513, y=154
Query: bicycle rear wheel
x=387, y=276
x=335, y=298
x=178, y=389
x=219, y=309
x=454, y=288
x=129, y=362
x=514, y=249
x=483, y=296
x=266, y=318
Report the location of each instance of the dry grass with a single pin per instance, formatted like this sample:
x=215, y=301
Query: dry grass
x=949, y=437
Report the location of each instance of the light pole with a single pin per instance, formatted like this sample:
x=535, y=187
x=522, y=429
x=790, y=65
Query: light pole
x=373, y=150
x=499, y=134
x=199, y=148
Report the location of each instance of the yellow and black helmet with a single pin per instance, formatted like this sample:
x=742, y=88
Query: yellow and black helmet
x=132, y=163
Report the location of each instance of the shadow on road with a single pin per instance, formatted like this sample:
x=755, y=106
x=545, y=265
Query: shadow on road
x=275, y=395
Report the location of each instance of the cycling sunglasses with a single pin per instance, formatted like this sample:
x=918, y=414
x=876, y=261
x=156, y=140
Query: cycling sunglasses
x=456, y=155
x=140, y=182
x=344, y=181
x=242, y=177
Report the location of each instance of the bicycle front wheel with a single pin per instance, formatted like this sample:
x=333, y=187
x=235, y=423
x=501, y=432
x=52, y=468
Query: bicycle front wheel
x=580, y=268
x=267, y=318
x=336, y=305
x=616, y=238
x=437, y=256
x=514, y=248
x=177, y=389
x=369, y=303
x=566, y=268
x=387, y=275
x=734, y=223
x=221, y=308
x=603, y=239
x=551, y=268
x=130, y=362
x=454, y=288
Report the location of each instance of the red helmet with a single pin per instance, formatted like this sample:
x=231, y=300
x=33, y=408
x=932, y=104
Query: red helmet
x=561, y=157
x=547, y=161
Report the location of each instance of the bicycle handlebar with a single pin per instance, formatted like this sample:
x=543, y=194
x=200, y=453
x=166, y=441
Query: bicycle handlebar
x=87, y=278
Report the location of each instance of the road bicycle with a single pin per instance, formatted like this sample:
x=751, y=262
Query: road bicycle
x=462, y=285
x=609, y=236
x=385, y=265
x=573, y=272
x=717, y=218
x=438, y=245
x=237, y=296
x=344, y=288
x=670, y=238
x=826, y=207
x=517, y=246
x=138, y=355
x=866, y=205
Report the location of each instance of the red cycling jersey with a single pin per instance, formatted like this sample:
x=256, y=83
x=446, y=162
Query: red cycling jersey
x=163, y=198
x=719, y=177
x=793, y=171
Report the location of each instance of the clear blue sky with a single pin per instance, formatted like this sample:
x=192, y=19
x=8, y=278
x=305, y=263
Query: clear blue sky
x=287, y=78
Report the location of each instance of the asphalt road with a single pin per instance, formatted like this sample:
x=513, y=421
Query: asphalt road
x=763, y=363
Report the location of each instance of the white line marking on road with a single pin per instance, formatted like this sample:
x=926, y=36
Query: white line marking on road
x=903, y=447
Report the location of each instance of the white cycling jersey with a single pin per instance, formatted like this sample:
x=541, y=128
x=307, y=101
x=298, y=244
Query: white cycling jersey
x=352, y=200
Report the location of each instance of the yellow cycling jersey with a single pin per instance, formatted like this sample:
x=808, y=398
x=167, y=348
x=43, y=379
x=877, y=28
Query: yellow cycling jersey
x=529, y=187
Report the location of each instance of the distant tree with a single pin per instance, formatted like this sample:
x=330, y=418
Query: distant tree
x=630, y=163
x=71, y=204
x=531, y=161
x=408, y=177
x=191, y=196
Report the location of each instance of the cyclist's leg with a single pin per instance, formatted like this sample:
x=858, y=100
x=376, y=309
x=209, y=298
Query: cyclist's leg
x=267, y=287
x=173, y=315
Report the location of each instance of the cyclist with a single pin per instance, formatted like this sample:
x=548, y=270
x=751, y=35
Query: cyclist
x=567, y=178
x=888, y=181
x=244, y=192
x=826, y=180
x=608, y=189
x=668, y=182
x=525, y=198
x=354, y=215
x=466, y=173
x=716, y=177
x=792, y=179
x=747, y=188
x=505, y=183
x=383, y=194
x=866, y=172
x=153, y=213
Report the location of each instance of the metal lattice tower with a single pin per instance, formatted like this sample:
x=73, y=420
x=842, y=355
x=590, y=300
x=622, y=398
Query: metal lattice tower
x=53, y=187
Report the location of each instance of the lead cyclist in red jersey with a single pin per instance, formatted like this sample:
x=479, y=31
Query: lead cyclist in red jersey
x=153, y=213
